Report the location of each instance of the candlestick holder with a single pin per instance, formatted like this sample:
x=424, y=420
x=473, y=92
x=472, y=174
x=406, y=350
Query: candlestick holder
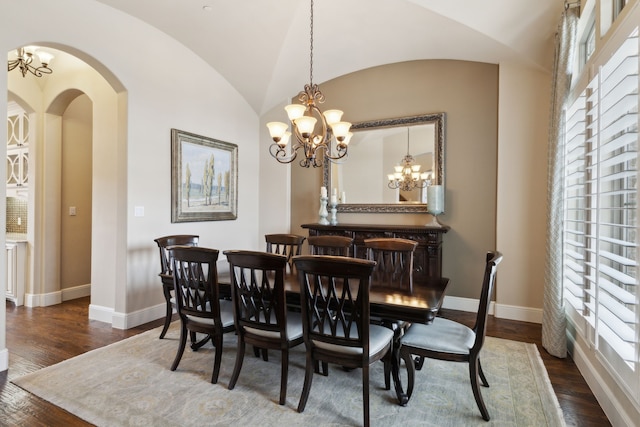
x=334, y=213
x=323, y=211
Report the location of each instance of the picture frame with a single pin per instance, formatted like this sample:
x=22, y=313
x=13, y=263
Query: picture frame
x=198, y=191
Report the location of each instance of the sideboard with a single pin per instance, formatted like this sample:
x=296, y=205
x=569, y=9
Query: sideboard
x=427, y=262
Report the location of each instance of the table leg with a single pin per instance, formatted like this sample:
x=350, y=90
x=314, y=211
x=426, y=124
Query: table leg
x=398, y=331
x=403, y=398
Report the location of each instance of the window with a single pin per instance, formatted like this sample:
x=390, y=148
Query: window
x=590, y=42
x=618, y=5
x=600, y=261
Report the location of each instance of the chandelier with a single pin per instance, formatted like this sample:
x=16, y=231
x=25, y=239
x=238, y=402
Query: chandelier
x=24, y=61
x=407, y=175
x=316, y=145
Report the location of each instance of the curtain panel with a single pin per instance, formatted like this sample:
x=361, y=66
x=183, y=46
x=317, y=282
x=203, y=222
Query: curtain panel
x=554, y=338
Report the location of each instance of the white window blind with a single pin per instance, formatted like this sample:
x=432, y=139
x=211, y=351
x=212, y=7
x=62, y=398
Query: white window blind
x=574, y=201
x=600, y=260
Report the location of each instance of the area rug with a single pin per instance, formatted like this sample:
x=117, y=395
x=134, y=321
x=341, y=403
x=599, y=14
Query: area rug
x=129, y=384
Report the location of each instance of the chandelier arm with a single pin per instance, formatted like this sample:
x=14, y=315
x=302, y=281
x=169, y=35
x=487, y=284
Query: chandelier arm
x=38, y=72
x=325, y=134
x=280, y=154
x=43, y=70
x=342, y=152
x=13, y=64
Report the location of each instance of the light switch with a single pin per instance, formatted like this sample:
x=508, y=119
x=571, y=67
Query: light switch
x=138, y=211
x=72, y=210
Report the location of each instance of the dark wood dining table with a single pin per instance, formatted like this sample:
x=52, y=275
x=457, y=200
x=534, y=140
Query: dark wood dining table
x=418, y=306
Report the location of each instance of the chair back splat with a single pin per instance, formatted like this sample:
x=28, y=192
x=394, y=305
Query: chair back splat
x=394, y=258
x=335, y=316
x=448, y=340
x=195, y=281
x=260, y=310
x=288, y=245
x=166, y=267
x=330, y=245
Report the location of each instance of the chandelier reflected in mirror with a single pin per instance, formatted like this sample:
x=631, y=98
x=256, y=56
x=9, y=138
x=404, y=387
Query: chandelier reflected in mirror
x=319, y=136
x=24, y=61
x=407, y=175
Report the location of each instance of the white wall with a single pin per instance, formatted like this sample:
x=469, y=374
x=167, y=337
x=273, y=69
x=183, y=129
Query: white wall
x=132, y=165
x=76, y=189
x=522, y=189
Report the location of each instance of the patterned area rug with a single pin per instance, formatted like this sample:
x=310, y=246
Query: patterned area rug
x=129, y=384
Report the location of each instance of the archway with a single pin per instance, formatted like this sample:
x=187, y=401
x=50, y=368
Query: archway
x=74, y=81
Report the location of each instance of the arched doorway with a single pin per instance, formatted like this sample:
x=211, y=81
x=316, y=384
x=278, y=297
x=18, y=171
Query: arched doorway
x=70, y=108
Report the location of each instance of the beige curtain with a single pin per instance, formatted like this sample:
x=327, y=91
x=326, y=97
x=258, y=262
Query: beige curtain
x=554, y=338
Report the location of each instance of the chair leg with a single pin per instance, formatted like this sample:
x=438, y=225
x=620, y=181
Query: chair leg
x=324, y=371
x=217, y=343
x=387, y=370
x=238, y=365
x=308, y=378
x=169, y=312
x=485, y=383
x=284, y=374
x=256, y=351
x=473, y=374
x=181, y=346
x=365, y=394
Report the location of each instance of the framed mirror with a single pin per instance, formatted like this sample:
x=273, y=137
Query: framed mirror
x=362, y=180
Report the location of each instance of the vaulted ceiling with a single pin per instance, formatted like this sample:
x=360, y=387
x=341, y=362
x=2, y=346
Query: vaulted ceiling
x=262, y=46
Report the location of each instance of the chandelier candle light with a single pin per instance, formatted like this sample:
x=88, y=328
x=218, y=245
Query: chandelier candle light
x=316, y=145
x=24, y=61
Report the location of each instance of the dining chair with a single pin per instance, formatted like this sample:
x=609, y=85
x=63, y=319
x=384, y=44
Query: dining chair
x=195, y=282
x=330, y=245
x=393, y=270
x=166, y=268
x=288, y=245
x=335, y=318
x=445, y=339
x=394, y=262
x=260, y=309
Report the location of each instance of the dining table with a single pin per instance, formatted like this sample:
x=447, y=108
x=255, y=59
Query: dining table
x=420, y=305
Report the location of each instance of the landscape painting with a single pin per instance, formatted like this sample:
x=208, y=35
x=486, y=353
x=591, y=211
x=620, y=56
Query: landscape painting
x=204, y=178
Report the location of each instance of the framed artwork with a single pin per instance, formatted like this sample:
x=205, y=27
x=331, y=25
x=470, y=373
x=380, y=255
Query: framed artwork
x=204, y=178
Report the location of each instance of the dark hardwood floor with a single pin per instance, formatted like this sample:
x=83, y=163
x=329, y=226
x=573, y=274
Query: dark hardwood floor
x=43, y=336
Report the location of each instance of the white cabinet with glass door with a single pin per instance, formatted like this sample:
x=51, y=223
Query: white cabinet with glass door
x=17, y=150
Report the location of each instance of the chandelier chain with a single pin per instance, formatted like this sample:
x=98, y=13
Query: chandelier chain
x=311, y=48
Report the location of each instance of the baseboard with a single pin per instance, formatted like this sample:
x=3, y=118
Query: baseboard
x=502, y=311
x=53, y=298
x=4, y=360
x=523, y=314
x=141, y=317
x=613, y=408
x=76, y=292
x=126, y=321
x=43, y=300
x=100, y=313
